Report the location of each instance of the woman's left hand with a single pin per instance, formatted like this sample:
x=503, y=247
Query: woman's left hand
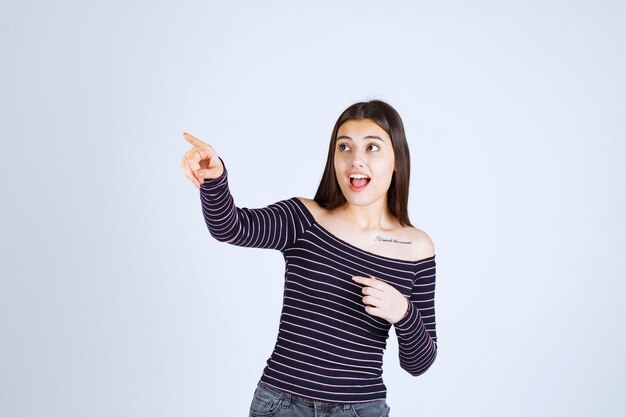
x=382, y=300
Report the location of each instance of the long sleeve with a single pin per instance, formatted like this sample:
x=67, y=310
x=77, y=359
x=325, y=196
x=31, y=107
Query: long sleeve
x=276, y=226
x=417, y=336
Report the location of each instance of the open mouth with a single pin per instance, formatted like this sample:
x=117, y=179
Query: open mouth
x=359, y=181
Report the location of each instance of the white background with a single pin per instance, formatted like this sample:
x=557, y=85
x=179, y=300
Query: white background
x=114, y=299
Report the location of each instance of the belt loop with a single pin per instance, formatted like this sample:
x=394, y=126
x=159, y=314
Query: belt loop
x=346, y=407
x=286, y=400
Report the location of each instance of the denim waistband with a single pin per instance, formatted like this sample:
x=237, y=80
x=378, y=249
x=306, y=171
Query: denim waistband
x=297, y=399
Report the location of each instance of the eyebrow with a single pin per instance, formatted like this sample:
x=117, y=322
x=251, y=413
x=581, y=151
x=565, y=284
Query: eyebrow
x=366, y=137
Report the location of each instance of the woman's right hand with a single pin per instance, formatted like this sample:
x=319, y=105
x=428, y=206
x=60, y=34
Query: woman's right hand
x=201, y=161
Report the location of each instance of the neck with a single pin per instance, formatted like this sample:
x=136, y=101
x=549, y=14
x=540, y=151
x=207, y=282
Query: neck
x=374, y=216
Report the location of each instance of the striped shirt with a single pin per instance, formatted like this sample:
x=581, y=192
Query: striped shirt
x=328, y=348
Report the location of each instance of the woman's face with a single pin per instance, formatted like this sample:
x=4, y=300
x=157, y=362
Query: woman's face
x=364, y=161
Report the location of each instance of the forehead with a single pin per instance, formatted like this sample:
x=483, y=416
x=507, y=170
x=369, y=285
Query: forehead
x=361, y=129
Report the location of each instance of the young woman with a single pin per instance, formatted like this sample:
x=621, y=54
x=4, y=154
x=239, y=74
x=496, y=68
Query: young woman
x=355, y=266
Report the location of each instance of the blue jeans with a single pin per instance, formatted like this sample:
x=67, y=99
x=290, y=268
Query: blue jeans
x=269, y=401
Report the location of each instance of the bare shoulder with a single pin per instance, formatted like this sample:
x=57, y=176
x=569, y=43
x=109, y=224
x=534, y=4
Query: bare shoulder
x=315, y=209
x=423, y=245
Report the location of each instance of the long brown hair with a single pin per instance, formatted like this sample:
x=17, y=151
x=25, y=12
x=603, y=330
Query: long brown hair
x=329, y=194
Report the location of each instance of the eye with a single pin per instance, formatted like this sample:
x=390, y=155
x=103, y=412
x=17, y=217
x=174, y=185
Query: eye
x=343, y=147
x=373, y=147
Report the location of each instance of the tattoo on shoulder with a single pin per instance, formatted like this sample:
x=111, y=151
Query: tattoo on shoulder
x=379, y=238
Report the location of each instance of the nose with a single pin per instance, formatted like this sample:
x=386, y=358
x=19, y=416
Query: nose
x=358, y=161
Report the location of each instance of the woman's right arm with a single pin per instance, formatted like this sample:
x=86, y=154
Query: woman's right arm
x=276, y=226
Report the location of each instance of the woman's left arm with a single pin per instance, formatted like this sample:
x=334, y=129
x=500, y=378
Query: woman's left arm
x=416, y=331
x=414, y=318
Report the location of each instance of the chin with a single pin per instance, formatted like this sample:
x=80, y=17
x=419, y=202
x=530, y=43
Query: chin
x=363, y=198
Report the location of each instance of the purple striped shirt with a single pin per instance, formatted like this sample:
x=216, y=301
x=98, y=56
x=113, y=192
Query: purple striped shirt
x=328, y=348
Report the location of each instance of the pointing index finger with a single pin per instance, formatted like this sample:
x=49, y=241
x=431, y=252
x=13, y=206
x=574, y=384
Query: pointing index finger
x=193, y=140
x=370, y=282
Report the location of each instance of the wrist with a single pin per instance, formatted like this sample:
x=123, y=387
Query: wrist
x=408, y=307
x=406, y=311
